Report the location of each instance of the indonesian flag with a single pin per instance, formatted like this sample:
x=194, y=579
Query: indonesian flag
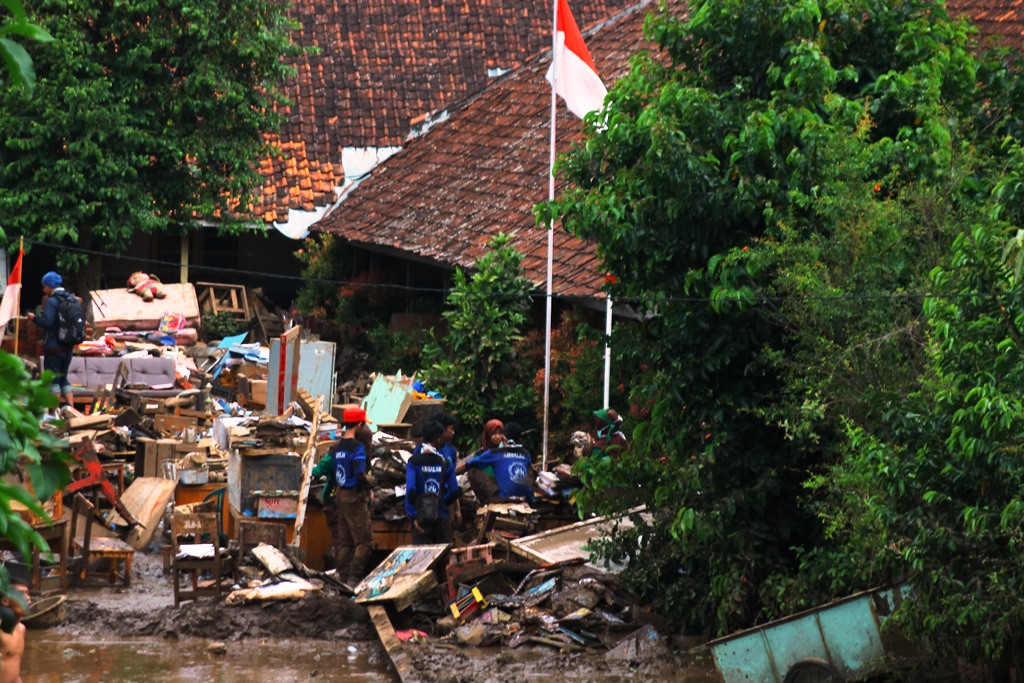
x=12, y=295
x=577, y=82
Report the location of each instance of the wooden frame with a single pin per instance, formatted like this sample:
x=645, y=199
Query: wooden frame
x=195, y=525
x=113, y=549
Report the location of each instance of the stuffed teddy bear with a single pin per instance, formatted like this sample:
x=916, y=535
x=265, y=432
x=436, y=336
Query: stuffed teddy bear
x=146, y=286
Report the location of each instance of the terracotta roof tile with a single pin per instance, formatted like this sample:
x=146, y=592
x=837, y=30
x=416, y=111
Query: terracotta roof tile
x=999, y=20
x=383, y=63
x=481, y=172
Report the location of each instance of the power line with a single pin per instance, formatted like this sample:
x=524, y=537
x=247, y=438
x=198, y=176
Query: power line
x=620, y=300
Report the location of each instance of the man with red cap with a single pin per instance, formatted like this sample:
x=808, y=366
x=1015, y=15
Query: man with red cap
x=346, y=466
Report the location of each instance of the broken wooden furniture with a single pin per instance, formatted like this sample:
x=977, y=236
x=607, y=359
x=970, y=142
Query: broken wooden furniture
x=85, y=454
x=203, y=555
x=91, y=547
x=221, y=299
x=56, y=536
x=405, y=575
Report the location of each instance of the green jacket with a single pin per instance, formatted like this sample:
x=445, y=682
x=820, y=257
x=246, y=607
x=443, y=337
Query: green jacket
x=325, y=468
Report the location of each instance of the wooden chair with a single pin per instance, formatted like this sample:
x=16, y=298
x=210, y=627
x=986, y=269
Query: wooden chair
x=99, y=548
x=201, y=527
x=217, y=498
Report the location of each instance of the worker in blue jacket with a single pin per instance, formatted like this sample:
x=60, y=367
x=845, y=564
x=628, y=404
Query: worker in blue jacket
x=346, y=466
x=448, y=450
x=430, y=487
x=512, y=465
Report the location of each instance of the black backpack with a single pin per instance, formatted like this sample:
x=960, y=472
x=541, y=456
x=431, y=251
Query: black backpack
x=428, y=505
x=70, y=320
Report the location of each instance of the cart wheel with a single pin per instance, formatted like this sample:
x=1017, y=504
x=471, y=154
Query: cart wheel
x=812, y=670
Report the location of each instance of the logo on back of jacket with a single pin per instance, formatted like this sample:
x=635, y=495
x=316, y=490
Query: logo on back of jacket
x=517, y=471
x=432, y=486
x=340, y=460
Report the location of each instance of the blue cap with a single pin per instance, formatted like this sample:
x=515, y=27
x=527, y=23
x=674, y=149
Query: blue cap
x=52, y=280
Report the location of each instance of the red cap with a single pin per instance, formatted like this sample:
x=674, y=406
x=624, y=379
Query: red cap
x=354, y=415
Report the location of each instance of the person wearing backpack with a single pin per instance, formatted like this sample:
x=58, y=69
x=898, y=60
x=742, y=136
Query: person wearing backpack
x=64, y=321
x=430, y=487
x=346, y=465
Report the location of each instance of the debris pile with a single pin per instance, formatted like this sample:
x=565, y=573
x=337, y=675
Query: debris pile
x=269, y=574
x=567, y=606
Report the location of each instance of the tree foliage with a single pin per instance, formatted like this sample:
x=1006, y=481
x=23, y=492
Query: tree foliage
x=16, y=59
x=147, y=115
x=774, y=193
x=26, y=448
x=478, y=365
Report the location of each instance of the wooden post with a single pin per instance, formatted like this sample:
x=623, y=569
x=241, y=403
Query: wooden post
x=278, y=383
x=307, y=469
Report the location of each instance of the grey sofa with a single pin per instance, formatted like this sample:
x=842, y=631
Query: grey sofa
x=89, y=372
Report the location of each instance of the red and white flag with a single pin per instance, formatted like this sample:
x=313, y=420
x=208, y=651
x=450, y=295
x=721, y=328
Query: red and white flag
x=577, y=81
x=12, y=295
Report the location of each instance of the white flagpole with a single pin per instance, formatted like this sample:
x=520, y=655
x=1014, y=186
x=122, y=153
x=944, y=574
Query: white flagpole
x=551, y=231
x=608, y=353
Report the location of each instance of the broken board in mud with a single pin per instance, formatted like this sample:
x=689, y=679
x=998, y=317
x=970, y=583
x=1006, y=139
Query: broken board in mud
x=406, y=574
x=396, y=651
x=147, y=500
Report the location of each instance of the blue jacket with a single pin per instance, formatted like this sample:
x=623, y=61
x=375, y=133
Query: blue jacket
x=345, y=462
x=48, y=321
x=447, y=450
x=511, y=470
x=430, y=472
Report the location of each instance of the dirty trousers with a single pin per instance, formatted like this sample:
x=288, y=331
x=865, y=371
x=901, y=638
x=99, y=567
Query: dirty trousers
x=355, y=534
x=331, y=516
x=433, y=534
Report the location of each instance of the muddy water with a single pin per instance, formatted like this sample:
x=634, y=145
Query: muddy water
x=53, y=658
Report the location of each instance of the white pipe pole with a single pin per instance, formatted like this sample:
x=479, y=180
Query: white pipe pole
x=608, y=353
x=551, y=232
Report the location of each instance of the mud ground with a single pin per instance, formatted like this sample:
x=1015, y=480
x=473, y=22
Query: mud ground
x=146, y=609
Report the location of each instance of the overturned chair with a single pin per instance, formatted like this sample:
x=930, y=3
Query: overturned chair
x=89, y=547
x=204, y=554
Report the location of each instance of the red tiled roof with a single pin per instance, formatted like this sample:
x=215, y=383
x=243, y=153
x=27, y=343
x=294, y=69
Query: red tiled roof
x=384, y=63
x=481, y=172
x=1002, y=20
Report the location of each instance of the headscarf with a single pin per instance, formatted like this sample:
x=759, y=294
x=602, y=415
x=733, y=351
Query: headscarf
x=489, y=429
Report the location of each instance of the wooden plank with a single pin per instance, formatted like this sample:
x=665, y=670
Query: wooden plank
x=307, y=471
x=387, y=402
x=396, y=651
x=405, y=589
x=147, y=500
x=90, y=422
x=173, y=424
x=406, y=574
x=572, y=541
x=271, y=558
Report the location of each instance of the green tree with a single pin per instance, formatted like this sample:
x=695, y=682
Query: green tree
x=16, y=58
x=479, y=365
x=26, y=448
x=147, y=116
x=761, y=193
x=937, y=496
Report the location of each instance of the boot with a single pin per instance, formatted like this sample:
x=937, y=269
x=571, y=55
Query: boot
x=357, y=570
x=343, y=560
